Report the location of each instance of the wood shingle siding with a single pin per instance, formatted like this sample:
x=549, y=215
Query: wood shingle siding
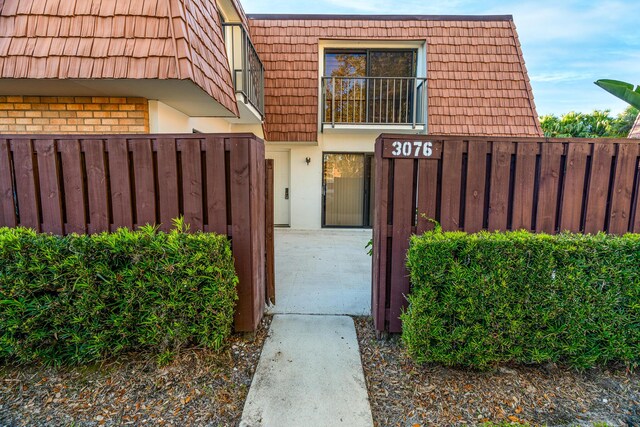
x=116, y=39
x=635, y=130
x=477, y=80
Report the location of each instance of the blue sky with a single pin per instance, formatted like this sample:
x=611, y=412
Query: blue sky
x=567, y=45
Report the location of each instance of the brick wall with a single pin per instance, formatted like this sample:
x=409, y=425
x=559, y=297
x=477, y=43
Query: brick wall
x=47, y=114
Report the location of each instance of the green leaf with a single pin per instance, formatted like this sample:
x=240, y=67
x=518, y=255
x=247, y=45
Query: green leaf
x=622, y=90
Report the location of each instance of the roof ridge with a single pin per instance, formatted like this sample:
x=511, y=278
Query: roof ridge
x=364, y=17
x=173, y=38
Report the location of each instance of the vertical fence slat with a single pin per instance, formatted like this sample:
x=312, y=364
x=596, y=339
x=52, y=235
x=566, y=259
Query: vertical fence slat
x=403, y=212
x=380, y=260
x=476, y=180
x=623, y=188
x=50, y=197
x=598, y=187
x=257, y=205
x=269, y=237
x=241, y=235
x=7, y=203
x=73, y=181
x=451, y=181
x=191, y=182
x=636, y=220
x=28, y=207
x=216, y=184
x=524, y=181
x=550, y=162
x=573, y=194
x=120, y=183
x=144, y=181
x=168, y=176
x=427, y=184
x=96, y=185
x=499, y=186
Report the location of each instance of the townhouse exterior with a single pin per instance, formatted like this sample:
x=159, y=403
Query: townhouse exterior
x=318, y=89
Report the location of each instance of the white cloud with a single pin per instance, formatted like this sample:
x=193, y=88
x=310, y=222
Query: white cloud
x=561, y=76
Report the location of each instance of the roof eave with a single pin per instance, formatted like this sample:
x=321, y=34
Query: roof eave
x=364, y=17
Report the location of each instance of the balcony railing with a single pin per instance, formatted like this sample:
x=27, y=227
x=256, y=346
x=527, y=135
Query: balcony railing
x=246, y=67
x=384, y=101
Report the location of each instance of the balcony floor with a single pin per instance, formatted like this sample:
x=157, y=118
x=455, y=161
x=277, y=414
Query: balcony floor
x=382, y=127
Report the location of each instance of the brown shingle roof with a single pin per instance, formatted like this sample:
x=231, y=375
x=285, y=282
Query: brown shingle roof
x=477, y=80
x=635, y=130
x=116, y=39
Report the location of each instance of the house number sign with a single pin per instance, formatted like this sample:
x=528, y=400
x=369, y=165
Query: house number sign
x=410, y=149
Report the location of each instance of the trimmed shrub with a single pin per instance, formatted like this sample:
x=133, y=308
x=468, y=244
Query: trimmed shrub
x=78, y=299
x=481, y=299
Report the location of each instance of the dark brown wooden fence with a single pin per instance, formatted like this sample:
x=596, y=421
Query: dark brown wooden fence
x=476, y=183
x=87, y=184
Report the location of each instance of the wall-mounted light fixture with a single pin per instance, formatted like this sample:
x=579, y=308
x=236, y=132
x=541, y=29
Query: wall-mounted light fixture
x=308, y=160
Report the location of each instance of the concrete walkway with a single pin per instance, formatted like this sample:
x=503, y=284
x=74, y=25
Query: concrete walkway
x=322, y=271
x=309, y=374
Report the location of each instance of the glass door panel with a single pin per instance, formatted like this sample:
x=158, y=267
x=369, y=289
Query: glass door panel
x=391, y=94
x=345, y=64
x=345, y=98
x=390, y=63
x=344, y=190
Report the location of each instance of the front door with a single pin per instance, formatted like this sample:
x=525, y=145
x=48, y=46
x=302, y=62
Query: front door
x=347, y=185
x=280, y=187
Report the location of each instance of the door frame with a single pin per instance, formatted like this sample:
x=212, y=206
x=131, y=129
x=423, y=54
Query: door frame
x=366, y=211
x=288, y=168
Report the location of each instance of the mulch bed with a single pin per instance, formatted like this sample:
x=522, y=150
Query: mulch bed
x=403, y=394
x=200, y=387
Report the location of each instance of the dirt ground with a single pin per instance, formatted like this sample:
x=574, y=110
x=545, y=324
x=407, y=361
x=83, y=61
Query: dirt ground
x=199, y=388
x=403, y=394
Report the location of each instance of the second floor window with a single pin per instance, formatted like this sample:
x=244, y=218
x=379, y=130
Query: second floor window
x=370, y=86
x=370, y=63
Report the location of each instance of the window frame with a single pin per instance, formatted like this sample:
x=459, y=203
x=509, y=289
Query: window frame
x=367, y=52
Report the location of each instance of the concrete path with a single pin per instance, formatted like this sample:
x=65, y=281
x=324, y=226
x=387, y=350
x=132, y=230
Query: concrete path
x=309, y=374
x=322, y=272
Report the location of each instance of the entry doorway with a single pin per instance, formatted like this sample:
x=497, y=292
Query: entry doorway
x=281, y=215
x=347, y=190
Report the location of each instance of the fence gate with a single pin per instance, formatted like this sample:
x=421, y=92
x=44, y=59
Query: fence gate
x=481, y=183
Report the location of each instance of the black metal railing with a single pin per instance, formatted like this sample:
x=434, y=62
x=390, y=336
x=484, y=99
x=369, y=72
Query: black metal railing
x=246, y=67
x=374, y=100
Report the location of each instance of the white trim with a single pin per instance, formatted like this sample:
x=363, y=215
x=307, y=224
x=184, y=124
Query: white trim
x=419, y=129
x=228, y=11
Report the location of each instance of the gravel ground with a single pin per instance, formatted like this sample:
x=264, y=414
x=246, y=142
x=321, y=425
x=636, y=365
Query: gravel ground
x=199, y=388
x=403, y=394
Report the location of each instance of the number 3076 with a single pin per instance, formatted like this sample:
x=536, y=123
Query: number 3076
x=412, y=148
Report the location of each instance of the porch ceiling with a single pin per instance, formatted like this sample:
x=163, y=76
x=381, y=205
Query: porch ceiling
x=183, y=95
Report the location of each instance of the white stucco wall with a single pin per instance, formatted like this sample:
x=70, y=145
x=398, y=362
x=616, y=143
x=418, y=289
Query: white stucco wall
x=306, y=180
x=166, y=119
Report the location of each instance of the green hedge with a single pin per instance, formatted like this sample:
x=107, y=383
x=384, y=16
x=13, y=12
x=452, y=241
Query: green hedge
x=481, y=299
x=79, y=299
